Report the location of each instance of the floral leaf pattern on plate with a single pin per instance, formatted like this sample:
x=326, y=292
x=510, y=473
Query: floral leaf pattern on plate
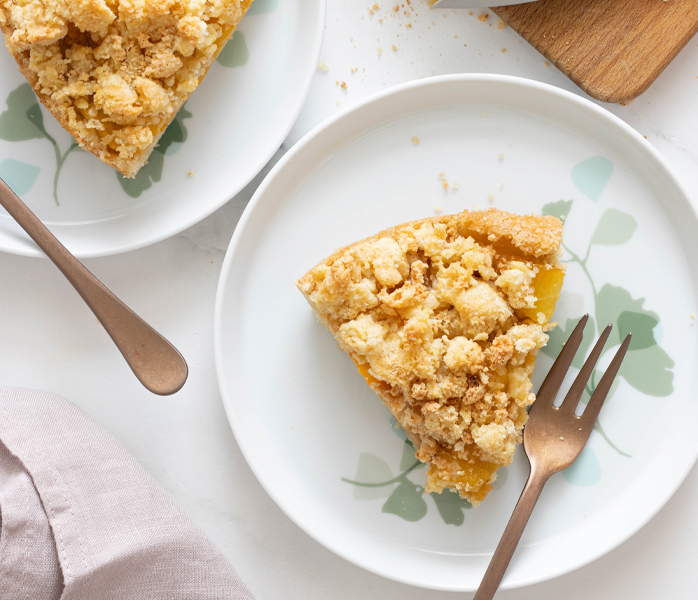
x=235, y=53
x=559, y=209
x=406, y=501
x=259, y=7
x=591, y=176
x=648, y=368
x=372, y=469
x=20, y=176
x=586, y=470
x=451, y=506
x=614, y=228
x=23, y=120
x=650, y=371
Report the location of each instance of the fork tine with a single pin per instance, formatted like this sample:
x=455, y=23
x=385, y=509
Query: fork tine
x=569, y=404
x=593, y=409
x=551, y=386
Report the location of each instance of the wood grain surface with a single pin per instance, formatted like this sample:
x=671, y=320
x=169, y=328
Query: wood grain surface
x=612, y=49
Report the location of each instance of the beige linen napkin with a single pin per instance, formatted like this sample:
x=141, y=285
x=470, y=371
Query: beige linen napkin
x=81, y=519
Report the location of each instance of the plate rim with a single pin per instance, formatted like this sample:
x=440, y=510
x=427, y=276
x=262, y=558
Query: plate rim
x=33, y=251
x=225, y=280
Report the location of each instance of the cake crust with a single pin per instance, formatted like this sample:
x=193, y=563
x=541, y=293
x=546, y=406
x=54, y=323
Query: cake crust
x=443, y=318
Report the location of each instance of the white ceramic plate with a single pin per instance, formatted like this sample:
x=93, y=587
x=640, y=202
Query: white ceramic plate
x=307, y=422
x=226, y=133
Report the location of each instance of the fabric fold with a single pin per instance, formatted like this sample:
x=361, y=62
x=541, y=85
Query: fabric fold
x=96, y=522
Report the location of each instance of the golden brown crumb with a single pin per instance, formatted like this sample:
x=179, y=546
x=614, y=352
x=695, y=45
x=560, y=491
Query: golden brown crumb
x=415, y=140
x=323, y=66
x=115, y=74
x=501, y=24
x=344, y=85
x=483, y=17
x=191, y=173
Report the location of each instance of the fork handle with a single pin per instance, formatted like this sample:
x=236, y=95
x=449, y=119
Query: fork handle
x=512, y=534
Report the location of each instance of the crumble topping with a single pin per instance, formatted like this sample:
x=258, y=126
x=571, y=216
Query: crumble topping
x=115, y=73
x=431, y=312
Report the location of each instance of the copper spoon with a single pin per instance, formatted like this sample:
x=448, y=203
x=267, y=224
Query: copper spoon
x=155, y=362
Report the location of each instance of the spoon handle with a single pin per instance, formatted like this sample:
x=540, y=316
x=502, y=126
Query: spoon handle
x=156, y=363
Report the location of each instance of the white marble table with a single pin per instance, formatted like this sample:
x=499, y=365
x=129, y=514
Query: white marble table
x=49, y=340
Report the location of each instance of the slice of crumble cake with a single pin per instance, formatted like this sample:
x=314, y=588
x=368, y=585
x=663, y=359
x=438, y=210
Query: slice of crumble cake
x=443, y=318
x=115, y=72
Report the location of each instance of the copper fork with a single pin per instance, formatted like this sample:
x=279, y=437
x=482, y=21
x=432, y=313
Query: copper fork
x=553, y=439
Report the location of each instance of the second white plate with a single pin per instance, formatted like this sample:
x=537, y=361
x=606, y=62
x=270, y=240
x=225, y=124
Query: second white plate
x=319, y=440
x=224, y=135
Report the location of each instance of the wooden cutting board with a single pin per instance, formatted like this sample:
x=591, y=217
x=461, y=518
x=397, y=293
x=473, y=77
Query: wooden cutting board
x=612, y=49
